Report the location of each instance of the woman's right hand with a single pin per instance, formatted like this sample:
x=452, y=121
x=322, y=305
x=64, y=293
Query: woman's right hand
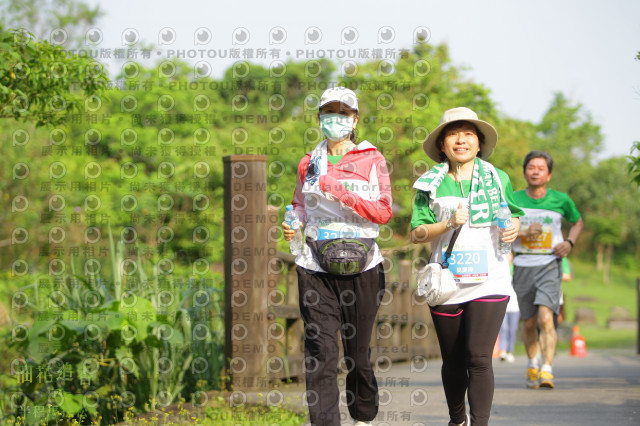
x=288, y=232
x=460, y=216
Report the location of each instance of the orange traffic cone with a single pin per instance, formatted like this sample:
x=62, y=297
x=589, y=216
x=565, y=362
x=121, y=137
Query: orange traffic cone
x=578, y=344
x=496, y=348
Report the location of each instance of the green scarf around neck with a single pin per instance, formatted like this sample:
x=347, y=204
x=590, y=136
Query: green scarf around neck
x=485, y=195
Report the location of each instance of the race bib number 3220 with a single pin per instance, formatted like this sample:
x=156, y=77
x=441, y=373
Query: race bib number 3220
x=469, y=266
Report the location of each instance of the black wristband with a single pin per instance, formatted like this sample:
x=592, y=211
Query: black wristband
x=570, y=242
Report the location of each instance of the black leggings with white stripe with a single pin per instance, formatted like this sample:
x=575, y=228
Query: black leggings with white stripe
x=467, y=334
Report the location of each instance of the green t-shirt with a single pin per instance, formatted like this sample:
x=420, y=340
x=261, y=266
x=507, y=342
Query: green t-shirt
x=554, y=201
x=547, y=211
x=422, y=214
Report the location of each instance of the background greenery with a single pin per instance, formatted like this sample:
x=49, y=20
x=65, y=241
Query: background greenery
x=126, y=173
x=117, y=155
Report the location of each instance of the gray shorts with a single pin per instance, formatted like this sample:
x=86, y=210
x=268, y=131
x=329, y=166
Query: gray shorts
x=538, y=285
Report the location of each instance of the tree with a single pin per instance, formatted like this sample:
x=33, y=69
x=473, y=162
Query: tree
x=611, y=213
x=634, y=159
x=42, y=83
x=569, y=130
x=634, y=163
x=600, y=190
x=62, y=20
x=568, y=133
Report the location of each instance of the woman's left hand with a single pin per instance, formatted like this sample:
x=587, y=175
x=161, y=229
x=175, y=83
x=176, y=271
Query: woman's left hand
x=510, y=234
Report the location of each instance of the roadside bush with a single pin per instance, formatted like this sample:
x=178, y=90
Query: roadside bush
x=92, y=349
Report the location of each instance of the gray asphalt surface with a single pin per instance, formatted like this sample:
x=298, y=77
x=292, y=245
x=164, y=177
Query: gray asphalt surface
x=601, y=389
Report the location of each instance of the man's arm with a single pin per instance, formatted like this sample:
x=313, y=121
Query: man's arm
x=575, y=231
x=564, y=248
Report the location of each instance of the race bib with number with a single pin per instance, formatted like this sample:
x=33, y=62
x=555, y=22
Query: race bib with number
x=330, y=231
x=538, y=244
x=469, y=264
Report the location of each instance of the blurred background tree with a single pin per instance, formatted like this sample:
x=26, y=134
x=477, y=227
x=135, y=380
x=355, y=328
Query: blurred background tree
x=162, y=132
x=59, y=20
x=42, y=83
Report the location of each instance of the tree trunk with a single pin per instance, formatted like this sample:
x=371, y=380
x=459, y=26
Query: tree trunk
x=606, y=272
x=599, y=256
x=4, y=316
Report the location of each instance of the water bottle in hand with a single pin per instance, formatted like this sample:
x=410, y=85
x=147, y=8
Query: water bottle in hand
x=297, y=243
x=504, y=221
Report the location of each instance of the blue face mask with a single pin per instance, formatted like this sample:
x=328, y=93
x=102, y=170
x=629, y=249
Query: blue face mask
x=336, y=127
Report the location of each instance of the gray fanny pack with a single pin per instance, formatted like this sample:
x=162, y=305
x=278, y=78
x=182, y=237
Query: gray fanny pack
x=343, y=256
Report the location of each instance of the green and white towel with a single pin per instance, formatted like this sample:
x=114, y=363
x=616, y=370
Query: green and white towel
x=485, y=195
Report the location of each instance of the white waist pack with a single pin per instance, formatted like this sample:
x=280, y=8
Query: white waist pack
x=436, y=284
x=435, y=280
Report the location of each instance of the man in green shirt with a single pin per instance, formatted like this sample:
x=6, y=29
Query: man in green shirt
x=537, y=273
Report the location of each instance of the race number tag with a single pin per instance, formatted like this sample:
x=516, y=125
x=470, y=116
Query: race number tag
x=538, y=244
x=332, y=230
x=469, y=264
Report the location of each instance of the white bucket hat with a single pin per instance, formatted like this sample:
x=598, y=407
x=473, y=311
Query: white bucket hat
x=430, y=144
x=339, y=94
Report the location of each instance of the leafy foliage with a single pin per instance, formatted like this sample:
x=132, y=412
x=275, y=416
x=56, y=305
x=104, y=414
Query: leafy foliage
x=157, y=145
x=43, y=83
x=96, y=350
x=50, y=18
x=633, y=168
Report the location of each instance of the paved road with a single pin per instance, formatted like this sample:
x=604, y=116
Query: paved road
x=601, y=389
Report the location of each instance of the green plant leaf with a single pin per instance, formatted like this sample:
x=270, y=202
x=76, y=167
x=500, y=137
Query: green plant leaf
x=39, y=327
x=140, y=314
x=123, y=352
x=38, y=348
x=72, y=403
x=38, y=417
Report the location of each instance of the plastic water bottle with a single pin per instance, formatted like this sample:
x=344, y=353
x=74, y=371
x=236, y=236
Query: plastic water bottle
x=504, y=221
x=297, y=242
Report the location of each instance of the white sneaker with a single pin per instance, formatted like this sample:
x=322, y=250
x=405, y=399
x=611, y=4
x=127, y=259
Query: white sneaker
x=510, y=358
x=503, y=355
x=467, y=422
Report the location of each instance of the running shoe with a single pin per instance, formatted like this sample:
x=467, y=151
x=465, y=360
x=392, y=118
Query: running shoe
x=533, y=378
x=510, y=358
x=546, y=380
x=467, y=422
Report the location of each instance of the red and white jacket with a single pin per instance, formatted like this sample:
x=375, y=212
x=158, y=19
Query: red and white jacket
x=346, y=200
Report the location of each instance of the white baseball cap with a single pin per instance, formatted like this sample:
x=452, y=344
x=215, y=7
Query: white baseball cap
x=339, y=94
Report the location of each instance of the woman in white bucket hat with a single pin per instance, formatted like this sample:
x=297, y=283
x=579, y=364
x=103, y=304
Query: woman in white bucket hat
x=464, y=190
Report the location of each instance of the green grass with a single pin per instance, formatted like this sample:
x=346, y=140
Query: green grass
x=218, y=413
x=588, y=283
x=598, y=337
x=250, y=416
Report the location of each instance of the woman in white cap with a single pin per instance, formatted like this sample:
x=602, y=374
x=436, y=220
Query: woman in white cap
x=342, y=195
x=464, y=190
